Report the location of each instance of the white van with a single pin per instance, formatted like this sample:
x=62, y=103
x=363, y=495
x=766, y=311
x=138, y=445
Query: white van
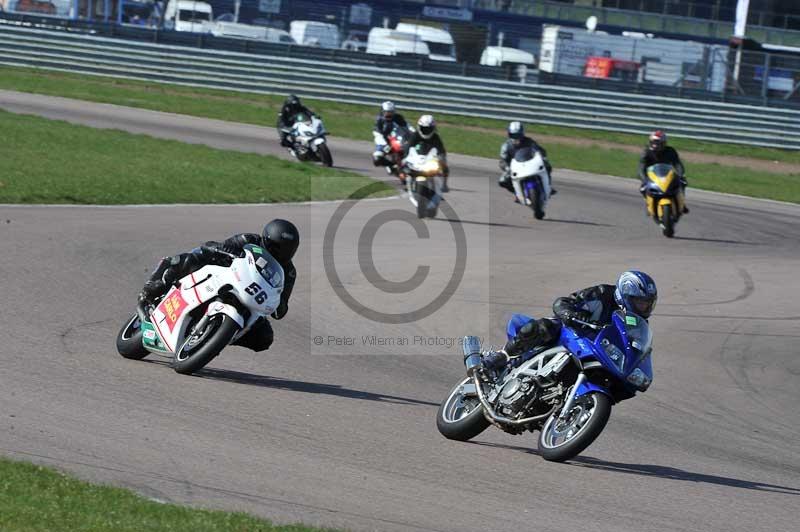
x=187, y=15
x=502, y=55
x=385, y=41
x=439, y=41
x=312, y=33
x=235, y=30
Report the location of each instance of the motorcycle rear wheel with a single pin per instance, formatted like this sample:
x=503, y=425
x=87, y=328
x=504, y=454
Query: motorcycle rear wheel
x=129, y=340
x=201, y=348
x=458, y=418
x=583, y=425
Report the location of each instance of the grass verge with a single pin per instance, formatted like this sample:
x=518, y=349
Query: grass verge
x=49, y=161
x=34, y=498
x=471, y=136
x=344, y=120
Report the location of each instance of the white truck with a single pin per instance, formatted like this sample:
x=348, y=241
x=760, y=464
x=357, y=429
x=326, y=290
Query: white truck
x=663, y=61
x=439, y=41
x=188, y=15
x=312, y=33
x=386, y=41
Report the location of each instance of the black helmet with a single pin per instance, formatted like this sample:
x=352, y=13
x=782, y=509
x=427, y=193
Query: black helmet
x=281, y=239
x=292, y=101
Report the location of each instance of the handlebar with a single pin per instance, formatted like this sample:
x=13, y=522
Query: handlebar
x=588, y=324
x=219, y=251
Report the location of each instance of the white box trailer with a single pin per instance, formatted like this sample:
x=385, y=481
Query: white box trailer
x=566, y=51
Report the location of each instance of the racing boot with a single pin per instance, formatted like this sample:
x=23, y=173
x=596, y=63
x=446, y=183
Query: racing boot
x=682, y=203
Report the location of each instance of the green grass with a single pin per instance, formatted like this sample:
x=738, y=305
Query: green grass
x=34, y=498
x=471, y=136
x=343, y=120
x=49, y=161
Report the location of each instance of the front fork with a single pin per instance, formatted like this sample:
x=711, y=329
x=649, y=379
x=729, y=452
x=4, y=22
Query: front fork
x=573, y=392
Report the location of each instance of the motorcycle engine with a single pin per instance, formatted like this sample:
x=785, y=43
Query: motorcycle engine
x=514, y=395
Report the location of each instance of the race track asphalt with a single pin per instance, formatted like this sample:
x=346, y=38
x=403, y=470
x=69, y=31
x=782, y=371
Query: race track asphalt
x=344, y=435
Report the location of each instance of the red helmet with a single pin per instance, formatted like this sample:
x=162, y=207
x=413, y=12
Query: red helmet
x=658, y=139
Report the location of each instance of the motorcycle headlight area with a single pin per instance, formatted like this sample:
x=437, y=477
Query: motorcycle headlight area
x=614, y=353
x=431, y=167
x=639, y=379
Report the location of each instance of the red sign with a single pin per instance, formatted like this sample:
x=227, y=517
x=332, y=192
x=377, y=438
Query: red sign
x=172, y=307
x=608, y=67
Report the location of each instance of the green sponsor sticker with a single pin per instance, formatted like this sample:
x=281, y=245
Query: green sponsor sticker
x=150, y=338
x=258, y=250
x=630, y=320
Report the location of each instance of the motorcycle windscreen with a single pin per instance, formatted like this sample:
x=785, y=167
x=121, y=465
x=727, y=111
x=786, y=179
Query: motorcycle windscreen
x=637, y=338
x=269, y=268
x=662, y=174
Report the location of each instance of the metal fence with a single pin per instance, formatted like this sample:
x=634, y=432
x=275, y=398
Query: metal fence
x=361, y=84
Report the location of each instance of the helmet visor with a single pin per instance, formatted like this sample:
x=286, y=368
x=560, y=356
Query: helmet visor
x=427, y=130
x=643, y=305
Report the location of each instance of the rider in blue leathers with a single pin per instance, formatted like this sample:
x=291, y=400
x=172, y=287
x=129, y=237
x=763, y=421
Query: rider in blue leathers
x=634, y=291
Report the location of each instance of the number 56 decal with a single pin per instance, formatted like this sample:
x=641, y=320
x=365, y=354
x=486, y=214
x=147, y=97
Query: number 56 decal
x=255, y=290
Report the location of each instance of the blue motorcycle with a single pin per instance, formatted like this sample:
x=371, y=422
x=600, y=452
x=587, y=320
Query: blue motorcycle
x=566, y=392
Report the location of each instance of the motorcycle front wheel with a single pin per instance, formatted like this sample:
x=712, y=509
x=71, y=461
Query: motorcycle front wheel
x=129, y=340
x=667, y=223
x=562, y=439
x=324, y=154
x=537, y=204
x=460, y=418
x=202, y=346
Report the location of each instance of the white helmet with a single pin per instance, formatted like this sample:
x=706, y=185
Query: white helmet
x=427, y=126
x=387, y=107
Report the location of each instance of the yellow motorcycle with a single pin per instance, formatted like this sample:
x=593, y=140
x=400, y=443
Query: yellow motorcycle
x=664, y=196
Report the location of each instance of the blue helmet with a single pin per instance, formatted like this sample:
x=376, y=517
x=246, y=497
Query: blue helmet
x=636, y=292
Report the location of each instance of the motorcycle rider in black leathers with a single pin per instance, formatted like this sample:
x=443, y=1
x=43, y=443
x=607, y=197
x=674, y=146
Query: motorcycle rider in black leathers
x=279, y=237
x=635, y=292
x=286, y=119
x=657, y=152
x=424, y=139
x=385, y=123
x=517, y=140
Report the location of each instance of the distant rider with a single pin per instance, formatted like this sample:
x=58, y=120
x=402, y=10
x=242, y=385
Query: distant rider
x=657, y=152
x=424, y=139
x=286, y=119
x=385, y=123
x=635, y=292
x=279, y=237
x=516, y=141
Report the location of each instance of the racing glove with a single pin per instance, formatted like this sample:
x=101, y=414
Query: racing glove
x=281, y=311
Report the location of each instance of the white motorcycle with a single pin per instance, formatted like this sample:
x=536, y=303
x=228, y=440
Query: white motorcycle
x=308, y=140
x=424, y=181
x=206, y=311
x=530, y=180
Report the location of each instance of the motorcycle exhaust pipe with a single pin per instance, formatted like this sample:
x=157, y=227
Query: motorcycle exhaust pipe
x=499, y=420
x=472, y=354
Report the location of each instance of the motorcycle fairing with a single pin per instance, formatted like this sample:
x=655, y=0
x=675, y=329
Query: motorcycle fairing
x=662, y=177
x=528, y=172
x=256, y=280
